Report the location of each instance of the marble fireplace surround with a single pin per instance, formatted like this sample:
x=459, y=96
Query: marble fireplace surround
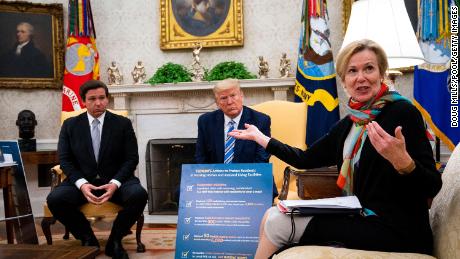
x=171, y=111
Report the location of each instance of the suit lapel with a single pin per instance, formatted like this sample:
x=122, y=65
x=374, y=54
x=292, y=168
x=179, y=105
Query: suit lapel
x=219, y=137
x=106, y=132
x=86, y=135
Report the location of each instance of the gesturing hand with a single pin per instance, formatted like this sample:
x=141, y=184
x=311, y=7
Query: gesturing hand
x=391, y=148
x=250, y=133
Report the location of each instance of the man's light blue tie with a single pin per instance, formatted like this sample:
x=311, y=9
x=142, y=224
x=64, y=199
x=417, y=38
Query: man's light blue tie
x=96, y=137
x=229, y=144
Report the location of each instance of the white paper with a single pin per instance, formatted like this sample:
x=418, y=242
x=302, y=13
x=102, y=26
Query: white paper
x=8, y=158
x=347, y=202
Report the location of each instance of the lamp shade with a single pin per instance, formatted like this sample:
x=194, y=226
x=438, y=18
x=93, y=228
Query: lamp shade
x=387, y=23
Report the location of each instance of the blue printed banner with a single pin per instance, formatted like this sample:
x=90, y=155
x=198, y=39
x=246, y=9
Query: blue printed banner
x=220, y=209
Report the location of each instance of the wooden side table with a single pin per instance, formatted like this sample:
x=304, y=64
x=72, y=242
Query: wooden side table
x=6, y=183
x=40, y=157
x=312, y=183
x=19, y=219
x=44, y=160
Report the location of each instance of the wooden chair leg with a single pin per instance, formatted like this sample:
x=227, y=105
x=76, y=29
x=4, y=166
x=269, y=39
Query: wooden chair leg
x=66, y=234
x=139, y=226
x=46, y=223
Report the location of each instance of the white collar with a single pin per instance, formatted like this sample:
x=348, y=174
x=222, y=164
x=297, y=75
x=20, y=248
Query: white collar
x=236, y=119
x=100, y=118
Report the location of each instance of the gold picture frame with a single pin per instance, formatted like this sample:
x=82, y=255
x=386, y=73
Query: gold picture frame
x=39, y=61
x=217, y=23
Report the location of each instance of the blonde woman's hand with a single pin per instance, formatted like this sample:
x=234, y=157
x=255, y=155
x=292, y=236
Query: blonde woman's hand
x=391, y=148
x=250, y=133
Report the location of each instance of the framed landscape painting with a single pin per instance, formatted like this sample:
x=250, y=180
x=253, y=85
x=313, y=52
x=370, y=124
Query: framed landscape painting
x=31, y=45
x=213, y=23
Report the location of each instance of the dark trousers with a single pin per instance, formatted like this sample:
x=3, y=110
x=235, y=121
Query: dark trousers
x=64, y=202
x=368, y=233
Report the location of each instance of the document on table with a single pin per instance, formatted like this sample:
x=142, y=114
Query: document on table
x=338, y=205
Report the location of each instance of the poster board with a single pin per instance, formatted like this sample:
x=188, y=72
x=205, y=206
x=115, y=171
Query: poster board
x=220, y=209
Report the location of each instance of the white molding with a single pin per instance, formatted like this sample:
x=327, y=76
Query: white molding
x=119, y=90
x=125, y=95
x=47, y=144
x=160, y=219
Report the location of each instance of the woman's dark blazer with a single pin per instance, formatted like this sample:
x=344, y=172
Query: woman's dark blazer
x=400, y=201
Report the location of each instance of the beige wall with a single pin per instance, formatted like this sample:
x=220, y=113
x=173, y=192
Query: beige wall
x=128, y=31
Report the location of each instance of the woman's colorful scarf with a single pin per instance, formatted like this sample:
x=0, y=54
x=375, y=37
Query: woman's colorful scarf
x=361, y=114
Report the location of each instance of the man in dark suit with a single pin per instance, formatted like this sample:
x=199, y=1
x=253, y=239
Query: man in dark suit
x=25, y=60
x=98, y=154
x=214, y=126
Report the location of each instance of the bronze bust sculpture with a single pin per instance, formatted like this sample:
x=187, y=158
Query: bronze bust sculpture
x=26, y=122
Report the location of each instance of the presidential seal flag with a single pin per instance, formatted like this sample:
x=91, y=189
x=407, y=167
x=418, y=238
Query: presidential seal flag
x=433, y=87
x=432, y=98
x=315, y=77
x=81, y=57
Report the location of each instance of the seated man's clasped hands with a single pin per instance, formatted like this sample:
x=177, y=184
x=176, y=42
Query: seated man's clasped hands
x=384, y=157
x=98, y=154
x=98, y=194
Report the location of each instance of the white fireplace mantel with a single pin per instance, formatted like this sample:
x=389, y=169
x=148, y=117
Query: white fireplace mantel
x=278, y=88
x=171, y=111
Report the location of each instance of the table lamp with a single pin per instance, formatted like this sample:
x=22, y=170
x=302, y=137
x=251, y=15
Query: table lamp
x=387, y=23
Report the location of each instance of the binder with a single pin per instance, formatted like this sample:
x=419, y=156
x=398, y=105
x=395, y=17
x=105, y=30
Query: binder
x=339, y=205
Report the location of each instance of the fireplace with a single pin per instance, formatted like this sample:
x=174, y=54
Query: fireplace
x=164, y=159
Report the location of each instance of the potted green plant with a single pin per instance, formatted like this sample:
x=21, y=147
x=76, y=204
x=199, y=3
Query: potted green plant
x=229, y=69
x=170, y=73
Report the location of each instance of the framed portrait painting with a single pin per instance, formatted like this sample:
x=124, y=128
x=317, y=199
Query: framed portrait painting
x=213, y=23
x=31, y=45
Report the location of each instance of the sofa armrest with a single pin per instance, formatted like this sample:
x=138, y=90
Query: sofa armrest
x=333, y=252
